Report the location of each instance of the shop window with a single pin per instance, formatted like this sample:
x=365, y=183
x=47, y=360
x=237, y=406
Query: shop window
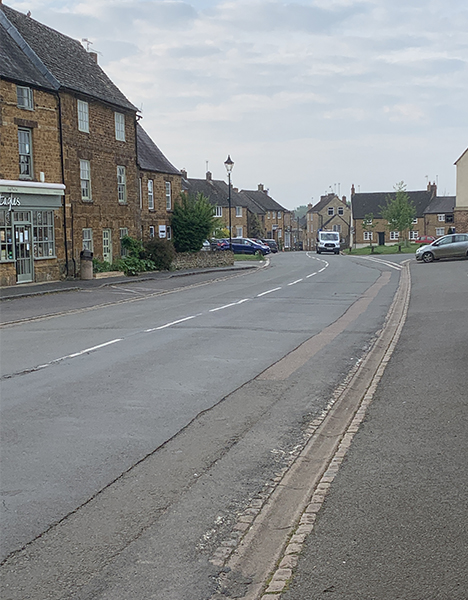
x=24, y=96
x=6, y=236
x=85, y=177
x=25, y=153
x=43, y=233
x=168, y=195
x=88, y=239
x=83, y=116
x=119, y=127
x=150, y=195
x=122, y=184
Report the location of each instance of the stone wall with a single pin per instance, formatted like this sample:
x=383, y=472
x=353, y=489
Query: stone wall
x=203, y=260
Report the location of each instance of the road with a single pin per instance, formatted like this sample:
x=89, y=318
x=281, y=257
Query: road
x=136, y=428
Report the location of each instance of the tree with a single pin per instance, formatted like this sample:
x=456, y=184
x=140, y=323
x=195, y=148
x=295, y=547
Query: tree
x=254, y=227
x=399, y=212
x=301, y=211
x=368, y=225
x=192, y=222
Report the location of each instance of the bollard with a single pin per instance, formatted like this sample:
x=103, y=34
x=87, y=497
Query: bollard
x=86, y=264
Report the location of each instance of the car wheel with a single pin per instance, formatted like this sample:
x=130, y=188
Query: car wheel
x=318, y=252
x=428, y=257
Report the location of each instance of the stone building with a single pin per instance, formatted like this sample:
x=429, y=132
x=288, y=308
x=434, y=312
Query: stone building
x=330, y=214
x=160, y=187
x=439, y=216
x=271, y=214
x=461, y=207
x=92, y=151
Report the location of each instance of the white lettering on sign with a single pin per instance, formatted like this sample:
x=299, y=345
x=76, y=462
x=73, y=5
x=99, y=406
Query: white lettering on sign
x=10, y=202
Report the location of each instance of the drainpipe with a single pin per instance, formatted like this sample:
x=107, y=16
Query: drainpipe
x=63, y=181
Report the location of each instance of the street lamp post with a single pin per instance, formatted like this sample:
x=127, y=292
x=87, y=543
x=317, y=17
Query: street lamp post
x=229, y=164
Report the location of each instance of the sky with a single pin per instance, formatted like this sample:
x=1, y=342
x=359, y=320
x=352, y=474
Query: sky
x=307, y=97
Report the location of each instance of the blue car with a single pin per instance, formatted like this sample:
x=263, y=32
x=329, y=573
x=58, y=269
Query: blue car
x=248, y=246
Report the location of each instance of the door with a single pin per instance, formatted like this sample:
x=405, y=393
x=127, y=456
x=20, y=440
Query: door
x=381, y=235
x=24, y=255
x=107, y=245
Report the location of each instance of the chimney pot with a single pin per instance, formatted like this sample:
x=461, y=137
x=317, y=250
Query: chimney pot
x=208, y=175
x=353, y=190
x=184, y=173
x=260, y=187
x=94, y=56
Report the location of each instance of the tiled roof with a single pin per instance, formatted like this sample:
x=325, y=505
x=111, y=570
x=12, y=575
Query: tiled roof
x=263, y=199
x=324, y=201
x=150, y=156
x=66, y=60
x=367, y=203
x=441, y=204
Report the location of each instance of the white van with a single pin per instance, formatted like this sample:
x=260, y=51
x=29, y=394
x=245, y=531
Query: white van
x=328, y=241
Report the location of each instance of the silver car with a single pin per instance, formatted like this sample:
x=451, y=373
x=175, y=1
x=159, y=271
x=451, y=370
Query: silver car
x=449, y=246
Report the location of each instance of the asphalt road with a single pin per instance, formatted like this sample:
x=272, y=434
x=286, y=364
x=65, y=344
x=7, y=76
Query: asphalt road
x=134, y=433
x=395, y=521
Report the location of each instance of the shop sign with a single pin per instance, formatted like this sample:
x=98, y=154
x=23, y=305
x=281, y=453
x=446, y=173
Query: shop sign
x=9, y=201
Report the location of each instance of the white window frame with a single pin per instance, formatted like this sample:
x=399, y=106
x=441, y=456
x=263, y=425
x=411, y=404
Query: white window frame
x=119, y=119
x=150, y=194
x=24, y=97
x=167, y=188
x=394, y=235
x=168, y=232
x=122, y=184
x=341, y=210
x=368, y=236
x=218, y=211
x=43, y=233
x=413, y=235
x=331, y=211
x=83, y=116
x=415, y=221
x=440, y=231
x=85, y=180
x=238, y=211
x=123, y=231
x=25, y=153
x=337, y=228
x=279, y=215
x=239, y=231
x=151, y=231
x=87, y=236
x=269, y=215
x=441, y=218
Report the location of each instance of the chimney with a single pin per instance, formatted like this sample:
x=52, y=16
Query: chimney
x=353, y=190
x=94, y=56
x=235, y=189
x=208, y=175
x=260, y=187
x=184, y=173
x=343, y=199
x=309, y=205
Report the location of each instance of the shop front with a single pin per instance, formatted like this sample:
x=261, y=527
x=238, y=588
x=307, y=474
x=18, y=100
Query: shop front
x=30, y=231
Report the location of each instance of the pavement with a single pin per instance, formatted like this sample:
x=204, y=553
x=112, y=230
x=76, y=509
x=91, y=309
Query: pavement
x=393, y=524
x=52, y=287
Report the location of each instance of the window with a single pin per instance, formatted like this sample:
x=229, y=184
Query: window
x=141, y=193
x=341, y=210
x=239, y=232
x=279, y=215
x=168, y=232
x=331, y=211
x=440, y=231
x=119, y=126
x=83, y=116
x=25, y=154
x=122, y=185
x=151, y=231
x=415, y=221
x=88, y=239
x=238, y=211
x=269, y=215
x=85, y=177
x=449, y=218
x=337, y=228
x=6, y=236
x=43, y=233
x=123, y=232
x=413, y=235
x=24, y=97
x=368, y=235
x=168, y=195
x=441, y=218
x=219, y=211
x=394, y=235
x=150, y=195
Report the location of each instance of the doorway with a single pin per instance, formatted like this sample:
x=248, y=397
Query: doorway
x=381, y=235
x=24, y=255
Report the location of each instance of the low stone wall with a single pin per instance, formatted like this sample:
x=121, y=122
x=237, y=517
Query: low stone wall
x=203, y=260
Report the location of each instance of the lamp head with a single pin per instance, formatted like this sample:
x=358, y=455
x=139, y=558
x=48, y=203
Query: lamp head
x=229, y=164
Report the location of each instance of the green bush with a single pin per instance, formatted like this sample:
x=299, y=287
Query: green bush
x=131, y=265
x=192, y=222
x=161, y=252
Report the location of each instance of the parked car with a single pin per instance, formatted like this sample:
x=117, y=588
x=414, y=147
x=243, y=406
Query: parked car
x=448, y=246
x=248, y=246
x=424, y=239
x=221, y=244
x=206, y=246
x=272, y=244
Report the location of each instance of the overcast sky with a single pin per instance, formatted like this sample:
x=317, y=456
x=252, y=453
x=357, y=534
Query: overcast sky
x=307, y=96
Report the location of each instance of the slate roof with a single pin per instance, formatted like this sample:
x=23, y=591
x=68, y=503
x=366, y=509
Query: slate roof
x=366, y=203
x=441, y=204
x=217, y=192
x=263, y=199
x=65, y=60
x=323, y=202
x=150, y=156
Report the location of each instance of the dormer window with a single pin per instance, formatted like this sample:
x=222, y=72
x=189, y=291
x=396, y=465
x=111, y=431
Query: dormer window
x=119, y=127
x=24, y=97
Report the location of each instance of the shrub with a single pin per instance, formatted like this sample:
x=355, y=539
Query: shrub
x=131, y=265
x=161, y=252
x=192, y=222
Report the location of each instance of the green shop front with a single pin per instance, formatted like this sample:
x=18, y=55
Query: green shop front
x=31, y=231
